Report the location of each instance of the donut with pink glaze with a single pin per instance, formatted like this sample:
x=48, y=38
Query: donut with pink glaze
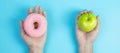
x=35, y=25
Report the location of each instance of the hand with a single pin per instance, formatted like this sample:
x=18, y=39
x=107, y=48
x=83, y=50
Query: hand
x=84, y=38
x=33, y=42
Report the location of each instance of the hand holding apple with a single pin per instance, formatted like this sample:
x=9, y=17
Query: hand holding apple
x=87, y=35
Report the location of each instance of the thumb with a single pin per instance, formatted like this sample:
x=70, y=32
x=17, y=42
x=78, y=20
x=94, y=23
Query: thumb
x=21, y=27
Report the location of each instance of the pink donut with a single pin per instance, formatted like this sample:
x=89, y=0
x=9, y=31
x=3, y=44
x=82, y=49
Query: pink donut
x=29, y=25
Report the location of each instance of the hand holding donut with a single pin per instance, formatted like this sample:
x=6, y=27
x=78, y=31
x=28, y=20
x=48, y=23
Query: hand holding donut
x=35, y=40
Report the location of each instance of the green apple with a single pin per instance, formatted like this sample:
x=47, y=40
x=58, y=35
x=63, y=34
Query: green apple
x=87, y=22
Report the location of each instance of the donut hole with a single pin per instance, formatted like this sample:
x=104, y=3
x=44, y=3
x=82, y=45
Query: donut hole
x=35, y=25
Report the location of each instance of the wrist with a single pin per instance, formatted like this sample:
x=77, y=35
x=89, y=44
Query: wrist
x=81, y=48
x=86, y=48
x=34, y=49
x=89, y=48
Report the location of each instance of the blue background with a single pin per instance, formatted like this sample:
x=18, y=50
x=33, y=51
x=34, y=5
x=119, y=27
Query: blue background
x=61, y=17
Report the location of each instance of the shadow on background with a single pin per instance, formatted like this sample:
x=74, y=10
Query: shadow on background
x=15, y=26
x=71, y=24
x=49, y=17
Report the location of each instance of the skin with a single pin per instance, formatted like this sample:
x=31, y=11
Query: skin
x=35, y=45
x=86, y=39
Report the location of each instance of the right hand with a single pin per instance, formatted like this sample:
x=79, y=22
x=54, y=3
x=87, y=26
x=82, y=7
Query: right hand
x=34, y=41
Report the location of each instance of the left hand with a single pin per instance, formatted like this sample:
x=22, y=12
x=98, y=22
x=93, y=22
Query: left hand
x=84, y=37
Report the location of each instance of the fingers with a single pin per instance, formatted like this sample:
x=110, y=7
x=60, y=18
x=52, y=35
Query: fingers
x=93, y=34
x=98, y=23
x=44, y=13
x=90, y=11
x=80, y=13
x=30, y=11
x=85, y=11
x=23, y=34
x=40, y=10
x=21, y=26
x=35, y=9
x=96, y=29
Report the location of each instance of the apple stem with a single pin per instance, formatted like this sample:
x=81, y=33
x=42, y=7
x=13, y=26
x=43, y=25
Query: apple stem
x=88, y=16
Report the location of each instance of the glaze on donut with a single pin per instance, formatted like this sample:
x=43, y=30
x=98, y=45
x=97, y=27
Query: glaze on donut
x=35, y=25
